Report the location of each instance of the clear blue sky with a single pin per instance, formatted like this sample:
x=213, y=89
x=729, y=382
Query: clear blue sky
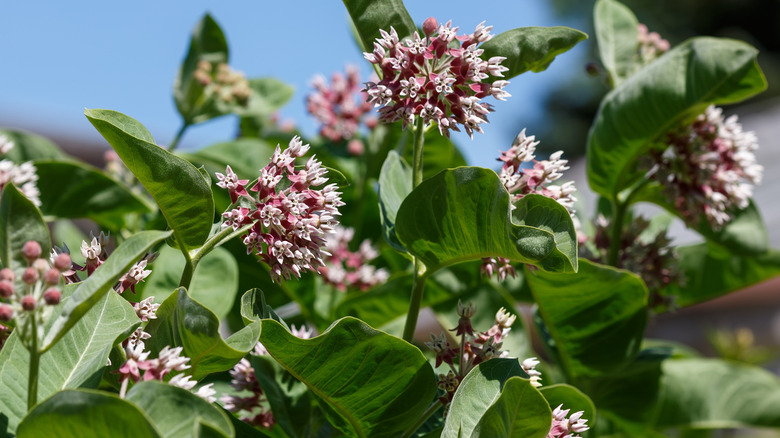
x=61, y=57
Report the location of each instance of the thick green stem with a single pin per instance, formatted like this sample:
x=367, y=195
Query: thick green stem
x=616, y=233
x=178, y=137
x=417, y=162
x=419, y=269
x=430, y=411
x=35, y=356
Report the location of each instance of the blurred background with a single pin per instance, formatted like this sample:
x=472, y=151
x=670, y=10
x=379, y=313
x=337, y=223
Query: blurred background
x=59, y=58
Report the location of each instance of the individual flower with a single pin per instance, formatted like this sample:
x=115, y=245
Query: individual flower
x=707, y=167
x=23, y=176
x=340, y=107
x=529, y=366
x=135, y=275
x=146, y=309
x=347, y=269
x=230, y=182
x=289, y=219
x=563, y=427
x=439, y=77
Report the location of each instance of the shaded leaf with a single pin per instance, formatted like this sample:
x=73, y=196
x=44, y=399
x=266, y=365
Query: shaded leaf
x=289, y=398
x=519, y=412
x=395, y=183
x=617, y=37
x=30, y=147
x=439, y=153
x=20, y=221
x=368, y=16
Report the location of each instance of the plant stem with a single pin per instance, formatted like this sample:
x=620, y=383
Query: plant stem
x=178, y=137
x=419, y=269
x=420, y=421
x=35, y=355
x=189, y=265
x=616, y=233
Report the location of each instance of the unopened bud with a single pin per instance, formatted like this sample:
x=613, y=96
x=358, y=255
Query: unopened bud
x=30, y=276
x=429, y=26
x=6, y=312
x=6, y=288
x=62, y=262
x=28, y=303
x=52, y=296
x=51, y=276
x=31, y=250
x=355, y=147
x=7, y=274
x=40, y=265
x=466, y=311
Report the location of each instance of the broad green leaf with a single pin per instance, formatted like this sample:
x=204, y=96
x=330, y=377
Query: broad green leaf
x=254, y=308
x=289, y=398
x=30, y=147
x=75, y=190
x=617, y=36
x=76, y=361
x=531, y=48
x=369, y=383
x=182, y=321
x=176, y=412
x=712, y=393
x=86, y=414
x=214, y=283
x=519, y=412
x=570, y=398
x=710, y=274
x=208, y=43
x=596, y=317
x=477, y=393
x=246, y=156
x=463, y=214
x=93, y=289
x=369, y=16
x=395, y=183
x=176, y=185
x=268, y=96
x=696, y=73
x=20, y=221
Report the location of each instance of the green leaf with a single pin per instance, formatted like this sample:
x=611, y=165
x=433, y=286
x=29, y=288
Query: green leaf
x=546, y=214
x=617, y=36
x=596, y=317
x=368, y=16
x=244, y=155
x=463, y=214
x=208, y=43
x=75, y=190
x=531, y=48
x=86, y=414
x=570, y=398
x=395, y=184
x=176, y=185
x=30, y=147
x=519, y=412
x=254, y=308
x=20, y=221
x=182, y=321
x=370, y=383
x=268, y=96
x=288, y=397
x=176, y=412
x=93, y=289
x=477, y=393
x=696, y=73
x=214, y=283
x=710, y=273
x=77, y=360
x=711, y=393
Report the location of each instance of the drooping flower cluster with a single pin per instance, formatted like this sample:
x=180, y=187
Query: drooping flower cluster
x=289, y=217
x=346, y=269
x=708, y=167
x=230, y=86
x=651, y=45
x=438, y=77
x=563, y=427
x=23, y=176
x=250, y=401
x=340, y=107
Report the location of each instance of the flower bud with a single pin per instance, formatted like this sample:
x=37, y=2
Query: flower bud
x=30, y=276
x=7, y=274
x=62, y=262
x=52, y=296
x=31, y=250
x=6, y=312
x=40, y=265
x=429, y=26
x=355, y=147
x=51, y=276
x=28, y=302
x=6, y=288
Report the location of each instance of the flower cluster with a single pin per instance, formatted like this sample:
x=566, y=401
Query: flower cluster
x=340, y=107
x=651, y=45
x=23, y=176
x=708, y=167
x=346, y=269
x=228, y=85
x=563, y=427
x=437, y=77
x=289, y=218
x=252, y=406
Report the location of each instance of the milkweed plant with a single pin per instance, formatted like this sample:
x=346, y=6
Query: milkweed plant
x=271, y=284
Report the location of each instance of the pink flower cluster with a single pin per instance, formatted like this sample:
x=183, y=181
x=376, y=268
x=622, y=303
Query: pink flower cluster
x=23, y=176
x=227, y=84
x=438, y=77
x=289, y=218
x=708, y=167
x=563, y=427
x=346, y=269
x=341, y=106
x=651, y=45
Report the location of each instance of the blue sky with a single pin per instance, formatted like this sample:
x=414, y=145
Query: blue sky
x=62, y=57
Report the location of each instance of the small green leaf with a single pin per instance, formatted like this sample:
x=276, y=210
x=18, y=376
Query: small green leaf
x=369, y=16
x=370, y=383
x=268, y=96
x=30, y=147
x=178, y=187
x=463, y=214
x=531, y=48
x=75, y=190
x=182, y=321
x=395, y=183
x=288, y=397
x=86, y=414
x=519, y=412
x=698, y=72
x=93, y=289
x=596, y=317
x=20, y=221
x=617, y=37
x=175, y=412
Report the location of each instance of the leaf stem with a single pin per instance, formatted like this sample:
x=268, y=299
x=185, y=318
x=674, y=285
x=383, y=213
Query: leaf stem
x=178, y=136
x=189, y=265
x=420, y=421
x=35, y=356
x=418, y=286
